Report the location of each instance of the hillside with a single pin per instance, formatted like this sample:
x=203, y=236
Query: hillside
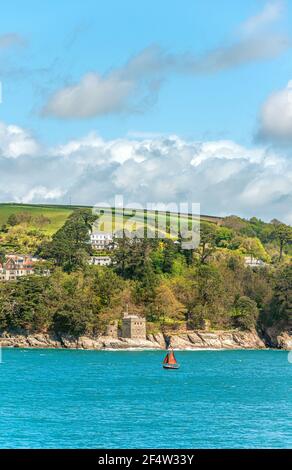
x=24, y=226
x=211, y=286
x=57, y=215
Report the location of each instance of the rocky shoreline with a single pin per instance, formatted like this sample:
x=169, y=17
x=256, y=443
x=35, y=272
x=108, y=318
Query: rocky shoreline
x=190, y=340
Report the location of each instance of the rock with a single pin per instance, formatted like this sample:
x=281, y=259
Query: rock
x=211, y=340
x=248, y=340
x=182, y=341
x=217, y=340
x=285, y=341
x=37, y=340
x=89, y=343
x=157, y=338
x=127, y=343
x=278, y=338
x=196, y=339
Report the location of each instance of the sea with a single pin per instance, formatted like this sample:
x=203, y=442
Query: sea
x=125, y=399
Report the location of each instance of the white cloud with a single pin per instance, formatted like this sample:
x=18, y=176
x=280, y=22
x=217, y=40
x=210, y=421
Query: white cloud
x=130, y=88
x=15, y=141
x=92, y=96
x=223, y=176
x=276, y=116
x=41, y=193
x=134, y=86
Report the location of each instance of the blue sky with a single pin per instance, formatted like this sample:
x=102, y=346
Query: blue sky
x=69, y=39
x=202, y=71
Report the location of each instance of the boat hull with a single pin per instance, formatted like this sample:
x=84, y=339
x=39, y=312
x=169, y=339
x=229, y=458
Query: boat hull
x=170, y=366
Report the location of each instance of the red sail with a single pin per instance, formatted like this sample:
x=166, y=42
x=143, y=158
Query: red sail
x=171, y=358
x=165, y=361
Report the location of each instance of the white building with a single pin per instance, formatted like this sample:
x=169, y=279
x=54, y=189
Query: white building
x=101, y=240
x=15, y=266
x=253, y=262
x=100, y=260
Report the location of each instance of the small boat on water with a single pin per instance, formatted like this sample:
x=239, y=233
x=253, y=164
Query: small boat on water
x=170, y=361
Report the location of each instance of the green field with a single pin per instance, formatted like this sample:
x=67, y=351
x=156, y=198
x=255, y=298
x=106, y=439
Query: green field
x=58, y=215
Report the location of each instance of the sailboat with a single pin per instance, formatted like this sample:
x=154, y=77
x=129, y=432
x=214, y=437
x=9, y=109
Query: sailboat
x=169, y=361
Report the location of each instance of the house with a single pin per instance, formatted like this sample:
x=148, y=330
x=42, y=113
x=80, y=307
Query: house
x=16, y=266
x=101, y=240
x=100, y=260
x=253, y=262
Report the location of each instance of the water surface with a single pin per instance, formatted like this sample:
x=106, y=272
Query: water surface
x=111, y=399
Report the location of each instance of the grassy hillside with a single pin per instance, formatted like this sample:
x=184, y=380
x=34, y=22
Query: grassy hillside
x=42, y=221
x=58, y=215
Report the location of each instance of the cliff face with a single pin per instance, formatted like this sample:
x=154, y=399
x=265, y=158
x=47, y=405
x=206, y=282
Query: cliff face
x=279, y=338
x=191, y=340
x=218, y=340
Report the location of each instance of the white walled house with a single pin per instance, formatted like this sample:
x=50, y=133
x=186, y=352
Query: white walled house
x=16, y=266
x=253, y=262
x=100, y=260
x=101, y=240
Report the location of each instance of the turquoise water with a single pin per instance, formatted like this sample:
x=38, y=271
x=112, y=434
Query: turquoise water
x=95, y=399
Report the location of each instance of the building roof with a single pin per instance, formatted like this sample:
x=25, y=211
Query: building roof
x=98, y=232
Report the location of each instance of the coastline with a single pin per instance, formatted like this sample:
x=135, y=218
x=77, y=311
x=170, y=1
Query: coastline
x=188, y=341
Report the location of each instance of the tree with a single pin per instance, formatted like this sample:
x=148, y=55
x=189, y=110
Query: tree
x=169, y=255
x=131, y=257
x=23, y=305
x=70, y=245
x=40, y=221
x=166, y=308
x=253, y=247
x=245, y=313
x=282, y=233
x=12, y=220
x=23, y=240
x=187, y=253
x=281, y=304
x=207, y=241
x=122, y=256
x=235, y=223
x=223, y=236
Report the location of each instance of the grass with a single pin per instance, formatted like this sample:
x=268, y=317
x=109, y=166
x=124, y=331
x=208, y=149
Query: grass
x=58, y=215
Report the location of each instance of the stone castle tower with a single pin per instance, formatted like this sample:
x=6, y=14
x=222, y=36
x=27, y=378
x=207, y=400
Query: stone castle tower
x=133, y=327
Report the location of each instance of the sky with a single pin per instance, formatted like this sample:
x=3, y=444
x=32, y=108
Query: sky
x=181, y=101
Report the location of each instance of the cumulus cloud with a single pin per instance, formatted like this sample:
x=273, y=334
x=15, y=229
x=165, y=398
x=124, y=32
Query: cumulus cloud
x=15, y=141
x=43, y=193
x=276, y=116
x=223, y=176
x=135, y=85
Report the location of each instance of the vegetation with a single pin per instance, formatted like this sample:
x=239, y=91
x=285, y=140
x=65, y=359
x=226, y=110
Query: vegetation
x=159, y=278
